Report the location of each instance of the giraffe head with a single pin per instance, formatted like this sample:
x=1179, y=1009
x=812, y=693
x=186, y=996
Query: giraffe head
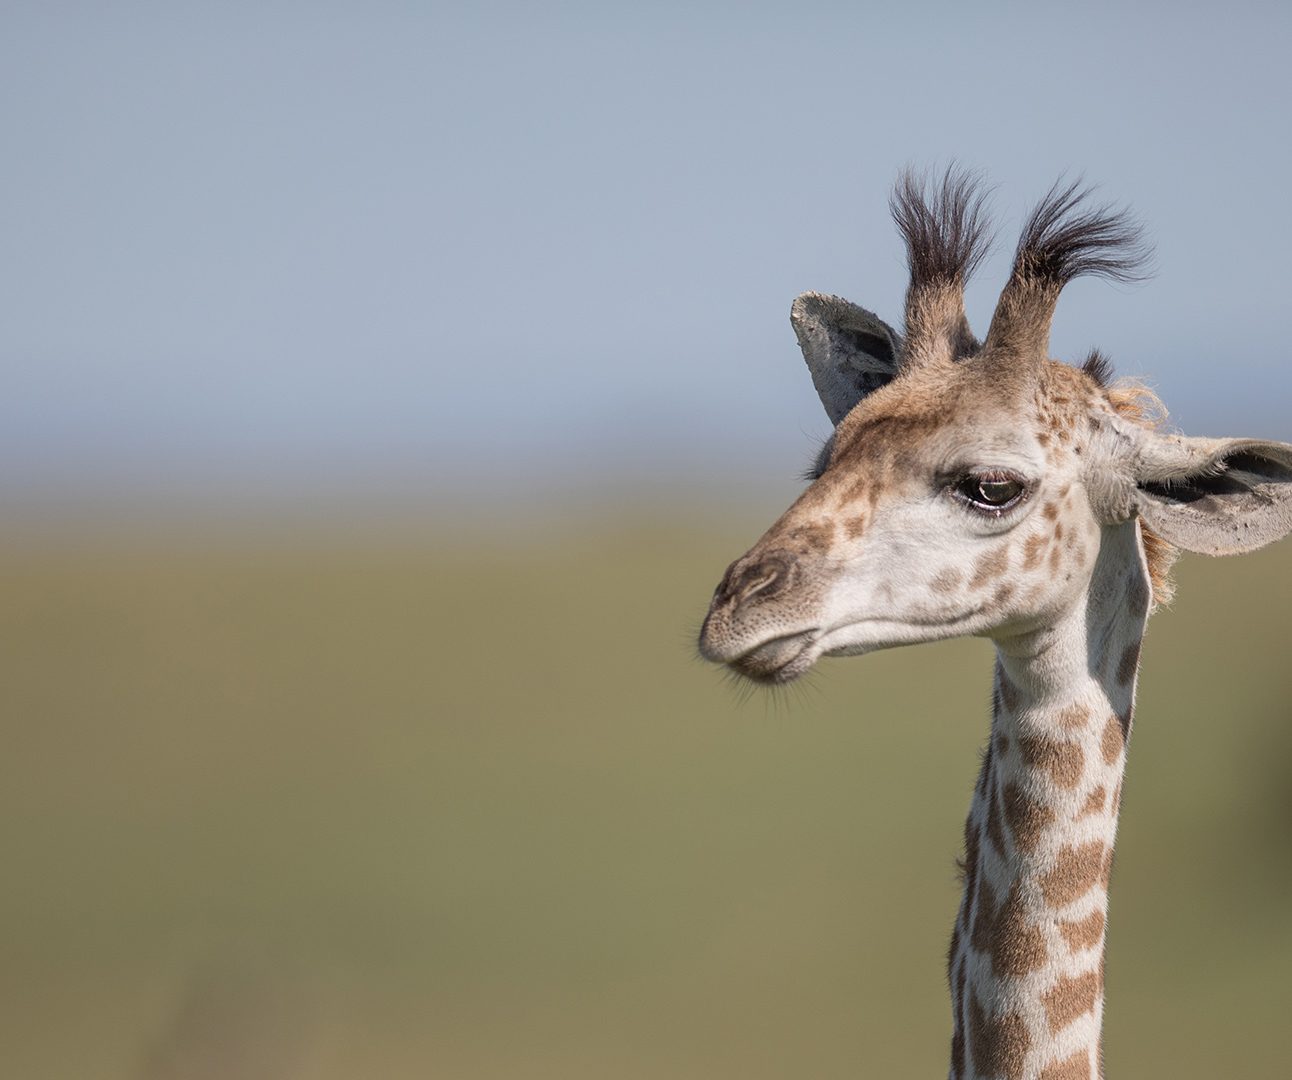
x=967, y=487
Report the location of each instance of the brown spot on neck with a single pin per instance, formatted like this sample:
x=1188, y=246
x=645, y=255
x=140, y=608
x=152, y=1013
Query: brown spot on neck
x=998, y=1045
x=1017, y=947
x=1027, y=818
x=1073, y=716
x=1084, y=933
x=984, y=916
x=1003, y=933
x=1095, y=802
x=1113, y=739
x=1075, y=872
x=1071, y=997
x=1063, y=762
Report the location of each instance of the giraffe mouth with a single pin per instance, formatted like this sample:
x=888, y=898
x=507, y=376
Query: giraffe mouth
x=780, y=660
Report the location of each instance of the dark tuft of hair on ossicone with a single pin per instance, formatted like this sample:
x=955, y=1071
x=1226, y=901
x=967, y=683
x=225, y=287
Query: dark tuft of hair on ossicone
x=944, y=223
x=1066, y=238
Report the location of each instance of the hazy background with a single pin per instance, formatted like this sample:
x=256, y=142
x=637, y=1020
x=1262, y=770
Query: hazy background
x=384, y=389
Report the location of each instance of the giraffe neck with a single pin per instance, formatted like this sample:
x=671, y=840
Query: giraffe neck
x=1027, y=952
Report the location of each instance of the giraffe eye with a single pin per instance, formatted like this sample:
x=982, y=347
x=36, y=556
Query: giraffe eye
x=991, y=491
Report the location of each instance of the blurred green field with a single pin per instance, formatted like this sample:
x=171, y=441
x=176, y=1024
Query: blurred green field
x=397, y=803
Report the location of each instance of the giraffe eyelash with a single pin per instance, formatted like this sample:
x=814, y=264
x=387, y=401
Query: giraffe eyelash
x=994, y=492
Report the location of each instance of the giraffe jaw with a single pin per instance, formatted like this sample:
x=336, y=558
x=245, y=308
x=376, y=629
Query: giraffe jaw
x=786, y=657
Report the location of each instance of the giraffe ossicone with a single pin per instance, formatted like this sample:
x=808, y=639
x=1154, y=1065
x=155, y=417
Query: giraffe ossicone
x=983, y=488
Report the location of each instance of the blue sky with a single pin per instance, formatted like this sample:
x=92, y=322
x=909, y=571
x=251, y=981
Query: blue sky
x=492, y=248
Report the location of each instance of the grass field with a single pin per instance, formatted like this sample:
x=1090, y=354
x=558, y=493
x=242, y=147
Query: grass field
x=399, y=804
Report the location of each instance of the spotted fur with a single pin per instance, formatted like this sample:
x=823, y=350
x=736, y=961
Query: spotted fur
x=898, y=541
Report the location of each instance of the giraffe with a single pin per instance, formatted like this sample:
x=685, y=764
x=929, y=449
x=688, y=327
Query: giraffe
x=985, y=489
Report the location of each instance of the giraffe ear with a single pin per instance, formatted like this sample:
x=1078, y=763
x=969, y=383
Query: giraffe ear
x=1215, y=496
x=849, y=351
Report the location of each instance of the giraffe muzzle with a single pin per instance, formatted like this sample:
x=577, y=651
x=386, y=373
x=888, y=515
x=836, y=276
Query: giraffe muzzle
x=752, y=625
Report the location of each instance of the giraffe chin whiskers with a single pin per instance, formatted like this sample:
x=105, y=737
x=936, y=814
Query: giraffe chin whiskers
x=778, y=661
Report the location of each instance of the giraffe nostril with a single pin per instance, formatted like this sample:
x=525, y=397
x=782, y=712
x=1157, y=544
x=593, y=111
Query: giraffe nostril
x=764, y=578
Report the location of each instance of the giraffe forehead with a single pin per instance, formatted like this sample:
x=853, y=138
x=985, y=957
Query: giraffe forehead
x=891, y=446
x=968, y=414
